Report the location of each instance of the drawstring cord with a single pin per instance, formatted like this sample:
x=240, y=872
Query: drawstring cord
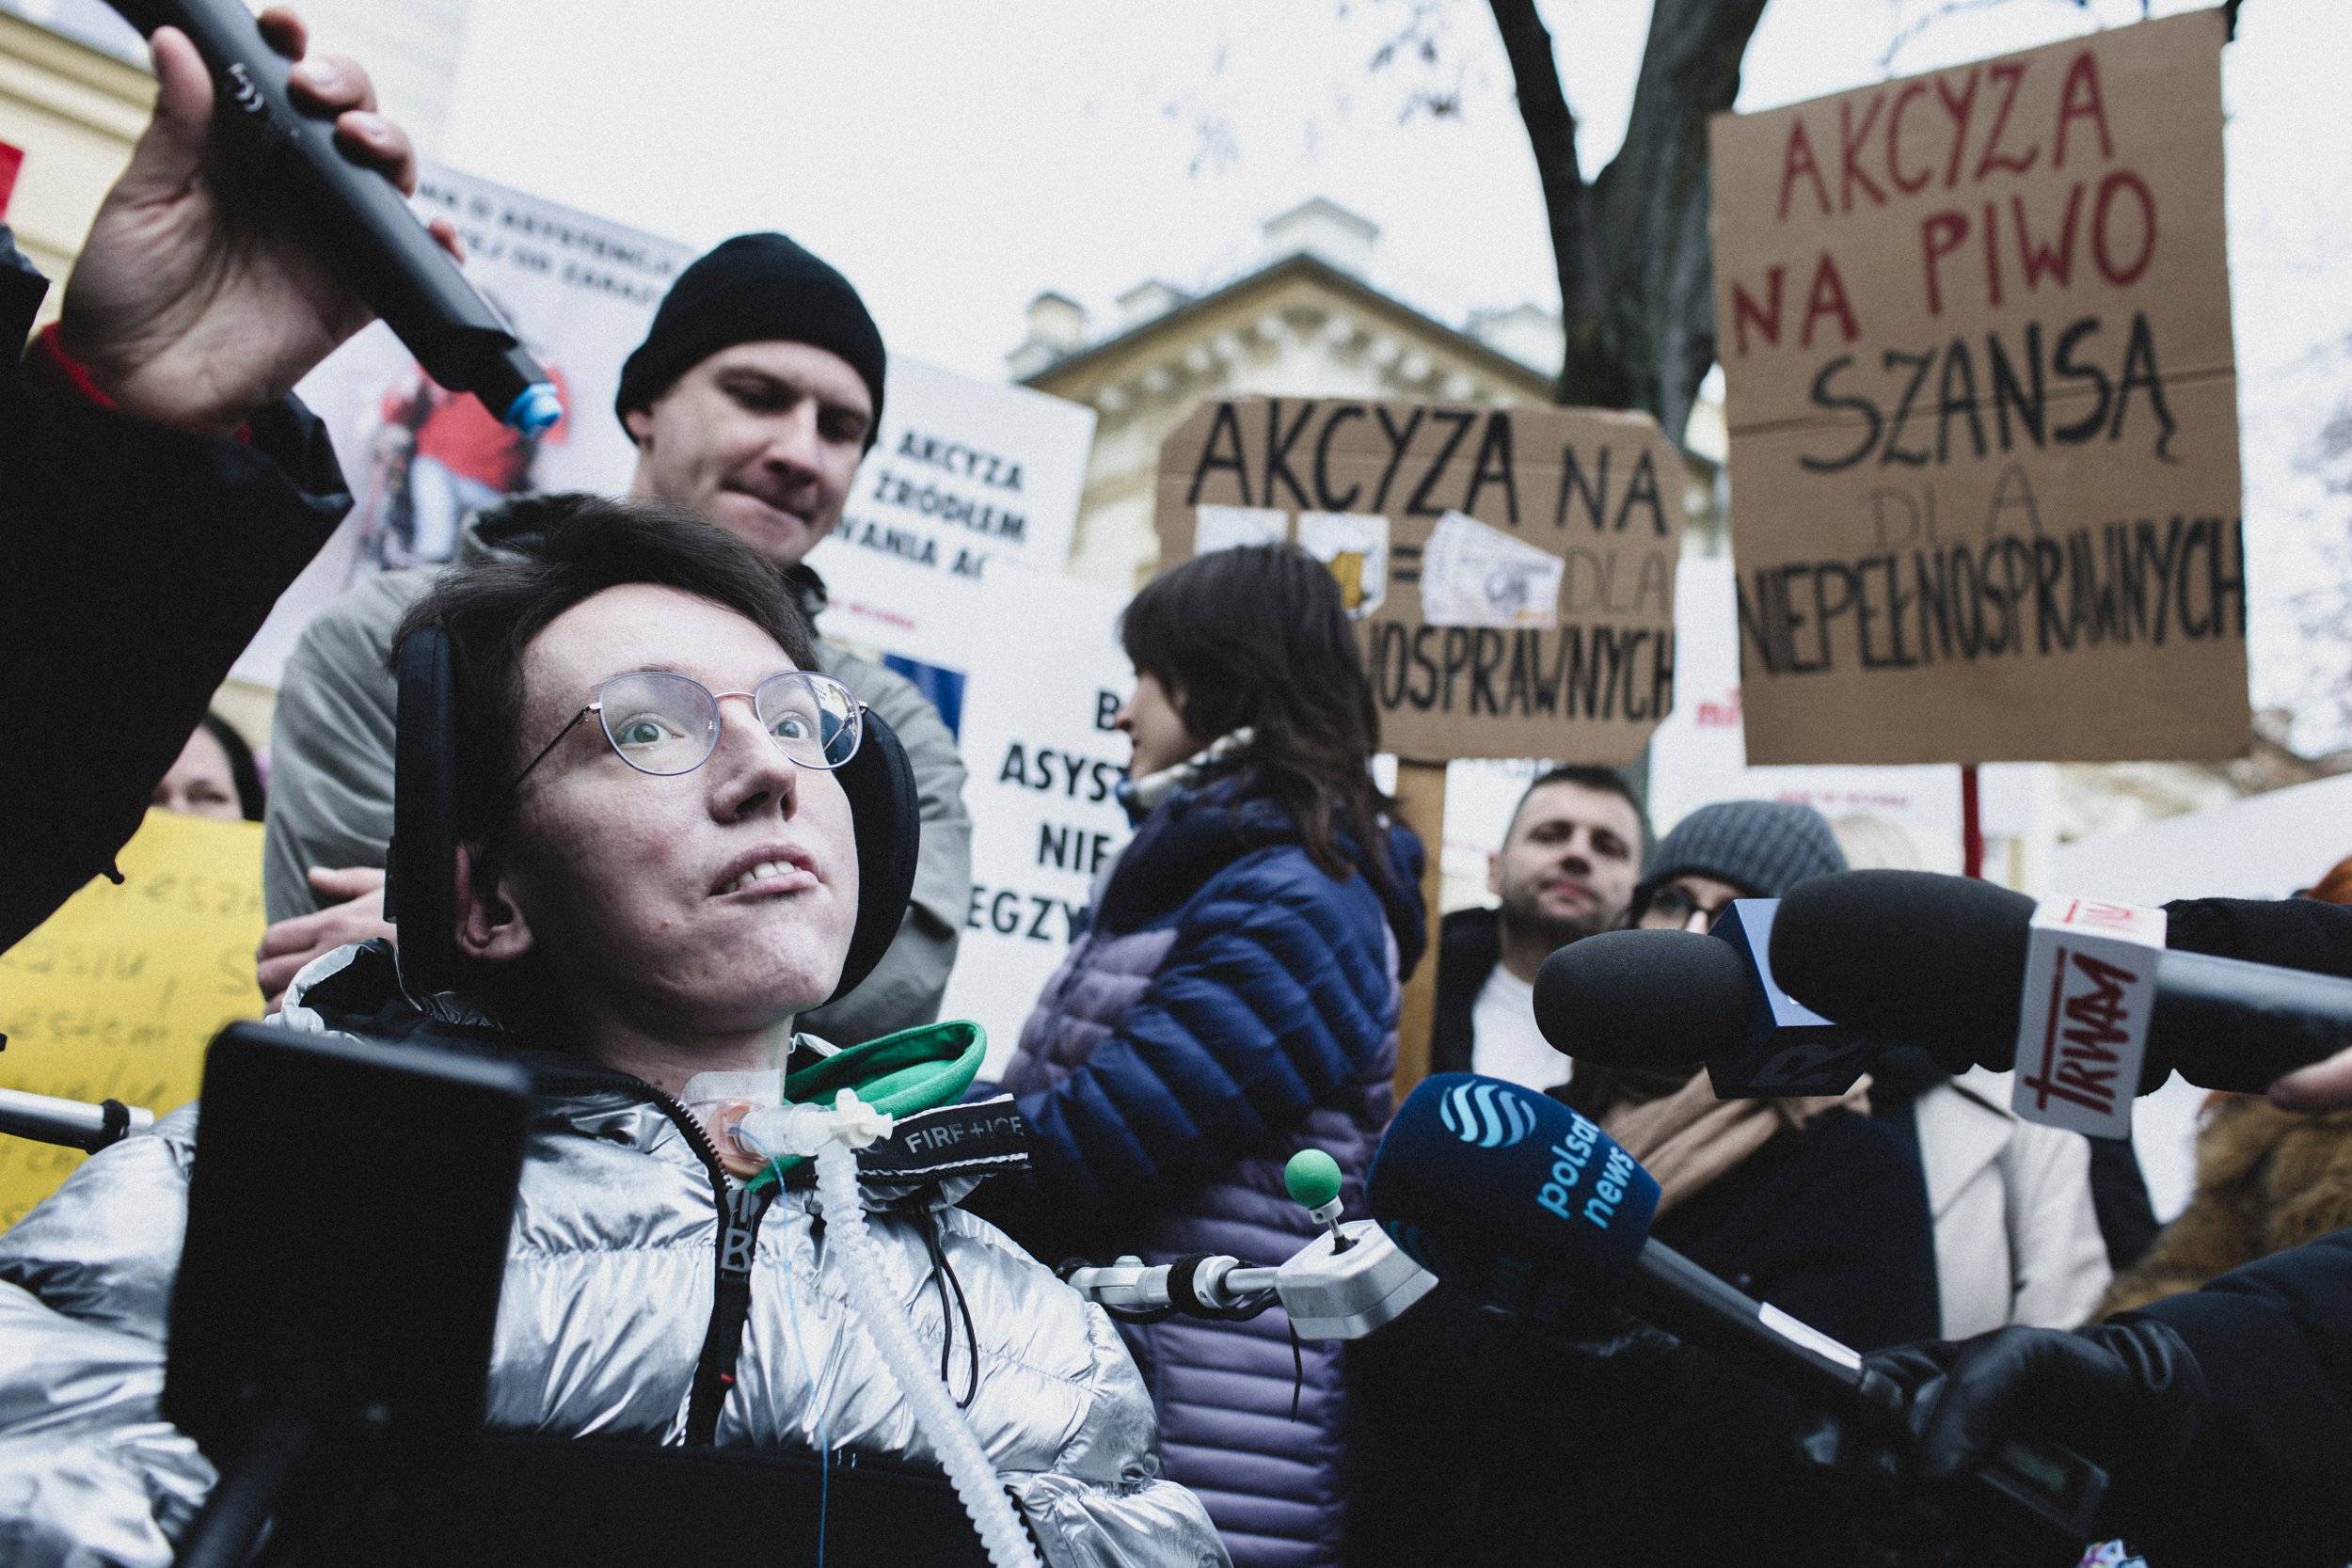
x=943, y=1276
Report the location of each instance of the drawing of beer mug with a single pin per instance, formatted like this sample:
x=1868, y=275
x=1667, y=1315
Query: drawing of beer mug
x=1348, y=567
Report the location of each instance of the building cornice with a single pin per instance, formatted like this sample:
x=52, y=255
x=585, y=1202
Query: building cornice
x=1126, y=352
x=60, y=76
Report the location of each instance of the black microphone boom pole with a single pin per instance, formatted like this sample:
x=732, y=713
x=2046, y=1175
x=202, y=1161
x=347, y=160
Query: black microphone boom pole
x=2052, y=1483
x=285, y=158
x=1940, y=962
x=1513, y=1197
x=77, y=1124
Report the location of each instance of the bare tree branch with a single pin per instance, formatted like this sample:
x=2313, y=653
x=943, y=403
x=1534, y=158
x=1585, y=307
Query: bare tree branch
x=1922, y=24
x=1586, y=375
x=1420, y=42
x=1654, y=201
x=1636, y=281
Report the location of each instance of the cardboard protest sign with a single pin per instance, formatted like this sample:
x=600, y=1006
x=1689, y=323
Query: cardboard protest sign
x=1026, y=668
x=963, y=473
x=117, y=994
x=1513, y=568
x=1908, y=818
x=1975, y=327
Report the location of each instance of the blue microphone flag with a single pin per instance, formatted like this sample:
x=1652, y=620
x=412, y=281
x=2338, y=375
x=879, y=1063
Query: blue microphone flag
x=1788, y=1049
x=1508, y=1193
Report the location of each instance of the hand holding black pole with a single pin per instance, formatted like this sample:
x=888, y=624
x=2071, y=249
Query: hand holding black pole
x=258, y=225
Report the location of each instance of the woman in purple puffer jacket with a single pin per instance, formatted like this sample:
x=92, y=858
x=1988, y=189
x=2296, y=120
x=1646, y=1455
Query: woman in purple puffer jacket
x=1232, y=1000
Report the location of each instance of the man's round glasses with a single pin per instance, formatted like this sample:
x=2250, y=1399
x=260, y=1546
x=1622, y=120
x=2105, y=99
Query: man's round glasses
x=665, y=723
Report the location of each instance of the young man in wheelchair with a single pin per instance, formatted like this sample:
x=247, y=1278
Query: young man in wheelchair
x=671, y=836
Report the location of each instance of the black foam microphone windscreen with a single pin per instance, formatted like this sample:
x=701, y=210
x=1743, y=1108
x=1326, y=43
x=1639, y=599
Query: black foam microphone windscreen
x=1941, y=962
x=1643, y=999
x=1933, y=960
x=1507, y=1193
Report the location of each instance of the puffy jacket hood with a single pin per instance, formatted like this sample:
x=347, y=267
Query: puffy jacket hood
x=1197, y=832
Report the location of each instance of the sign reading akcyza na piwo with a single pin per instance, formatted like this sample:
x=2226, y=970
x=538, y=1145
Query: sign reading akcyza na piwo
x=1975, y=327
x=1511, y=569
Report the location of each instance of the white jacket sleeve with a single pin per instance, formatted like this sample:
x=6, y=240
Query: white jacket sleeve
x=2058, y=1254
x=91, y=1476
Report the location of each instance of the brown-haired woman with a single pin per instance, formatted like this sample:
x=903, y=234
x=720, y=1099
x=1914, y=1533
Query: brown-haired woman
x=1232, y=1000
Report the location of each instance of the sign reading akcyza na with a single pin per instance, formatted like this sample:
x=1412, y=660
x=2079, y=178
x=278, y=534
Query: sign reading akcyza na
x=1512, y=569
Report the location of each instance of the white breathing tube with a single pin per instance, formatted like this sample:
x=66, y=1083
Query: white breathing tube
x=832, y=1137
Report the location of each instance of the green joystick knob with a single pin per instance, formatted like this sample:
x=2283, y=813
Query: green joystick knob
x=1312, y=1179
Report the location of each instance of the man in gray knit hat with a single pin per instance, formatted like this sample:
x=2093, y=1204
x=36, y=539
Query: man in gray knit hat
x=755, y=394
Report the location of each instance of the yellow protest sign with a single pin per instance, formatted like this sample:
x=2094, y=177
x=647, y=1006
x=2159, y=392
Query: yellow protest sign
x=117, y=994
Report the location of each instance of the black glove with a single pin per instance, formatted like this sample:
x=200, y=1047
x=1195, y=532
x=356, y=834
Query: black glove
x=2126, y=1395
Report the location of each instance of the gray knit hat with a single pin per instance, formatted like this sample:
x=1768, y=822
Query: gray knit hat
x=1763, y=848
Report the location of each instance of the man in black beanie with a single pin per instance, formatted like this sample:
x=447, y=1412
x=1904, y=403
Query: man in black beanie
x=757, y=392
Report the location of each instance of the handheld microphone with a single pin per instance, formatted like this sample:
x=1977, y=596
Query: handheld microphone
x=1941, y=962
x=1517, y=1198
x=1674, y=999
x=355, y=218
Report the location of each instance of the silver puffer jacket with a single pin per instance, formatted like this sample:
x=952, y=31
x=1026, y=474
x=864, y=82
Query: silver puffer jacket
x=607, y=1295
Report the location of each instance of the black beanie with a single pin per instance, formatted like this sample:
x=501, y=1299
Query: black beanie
x=753, y=288
x=1763, y=848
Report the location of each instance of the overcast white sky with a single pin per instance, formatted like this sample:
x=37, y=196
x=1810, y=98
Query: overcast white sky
x=955, y=158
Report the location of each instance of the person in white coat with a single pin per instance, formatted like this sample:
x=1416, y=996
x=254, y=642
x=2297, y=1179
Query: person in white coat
x=2017, y=1237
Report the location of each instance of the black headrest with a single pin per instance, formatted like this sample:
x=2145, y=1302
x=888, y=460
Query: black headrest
x=886, y=816
x=421, y=867
x=421, y=890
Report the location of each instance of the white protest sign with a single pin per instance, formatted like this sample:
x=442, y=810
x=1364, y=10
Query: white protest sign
x=419, y=460
x=947, y=565
x=2083, y=1015
x=963, y=473
x=1027, y=668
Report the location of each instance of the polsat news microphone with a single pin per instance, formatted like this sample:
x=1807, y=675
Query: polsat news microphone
x=283, y=158
x=1518, y=1200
